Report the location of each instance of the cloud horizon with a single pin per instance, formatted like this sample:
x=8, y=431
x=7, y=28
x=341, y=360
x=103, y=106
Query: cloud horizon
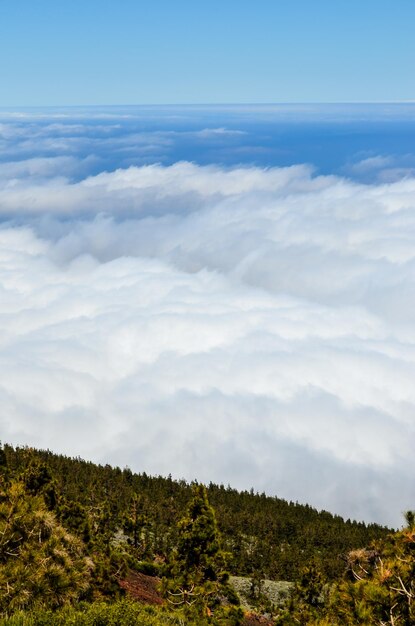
x=245, y=325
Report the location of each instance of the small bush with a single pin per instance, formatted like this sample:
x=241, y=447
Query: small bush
x=120, y=613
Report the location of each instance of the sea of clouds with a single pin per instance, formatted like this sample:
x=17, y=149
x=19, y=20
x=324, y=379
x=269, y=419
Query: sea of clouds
x=242, y=324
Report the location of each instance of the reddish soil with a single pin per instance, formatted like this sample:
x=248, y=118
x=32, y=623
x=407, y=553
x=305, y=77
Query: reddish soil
x=142, y=588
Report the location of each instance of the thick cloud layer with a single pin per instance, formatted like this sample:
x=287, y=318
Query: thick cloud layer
x=238, y=324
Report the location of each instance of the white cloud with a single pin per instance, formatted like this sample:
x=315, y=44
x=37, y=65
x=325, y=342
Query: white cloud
x=382, y=169
x=372, y=163
x=241, y=325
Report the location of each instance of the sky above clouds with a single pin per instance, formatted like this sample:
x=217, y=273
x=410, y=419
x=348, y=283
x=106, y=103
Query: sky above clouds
x=225, y=294
x=55, y=52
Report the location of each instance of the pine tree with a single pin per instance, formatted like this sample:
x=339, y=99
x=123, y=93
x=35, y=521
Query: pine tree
x=41, y=564
x=38, y=480
x=3, y=459
x=197, y=571
x=198, y=555
x=134, y=522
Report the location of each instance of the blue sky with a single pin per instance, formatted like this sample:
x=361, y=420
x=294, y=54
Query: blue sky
x=132, y=52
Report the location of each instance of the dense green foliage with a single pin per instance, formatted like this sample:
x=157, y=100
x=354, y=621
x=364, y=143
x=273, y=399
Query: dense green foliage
x=380, y=584
x=73, y=535
x=377, y=589
x=260, y=533
x=41, y=564
x=119, y=613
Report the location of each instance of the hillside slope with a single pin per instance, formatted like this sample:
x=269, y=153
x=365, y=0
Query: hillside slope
x=264, y=535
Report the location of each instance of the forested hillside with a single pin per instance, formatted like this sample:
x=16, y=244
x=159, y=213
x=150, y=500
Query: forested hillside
x=75, y=535
x=260, y=532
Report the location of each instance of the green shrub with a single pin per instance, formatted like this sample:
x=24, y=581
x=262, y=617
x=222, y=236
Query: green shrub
x=146, y=567
x=120, y=613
